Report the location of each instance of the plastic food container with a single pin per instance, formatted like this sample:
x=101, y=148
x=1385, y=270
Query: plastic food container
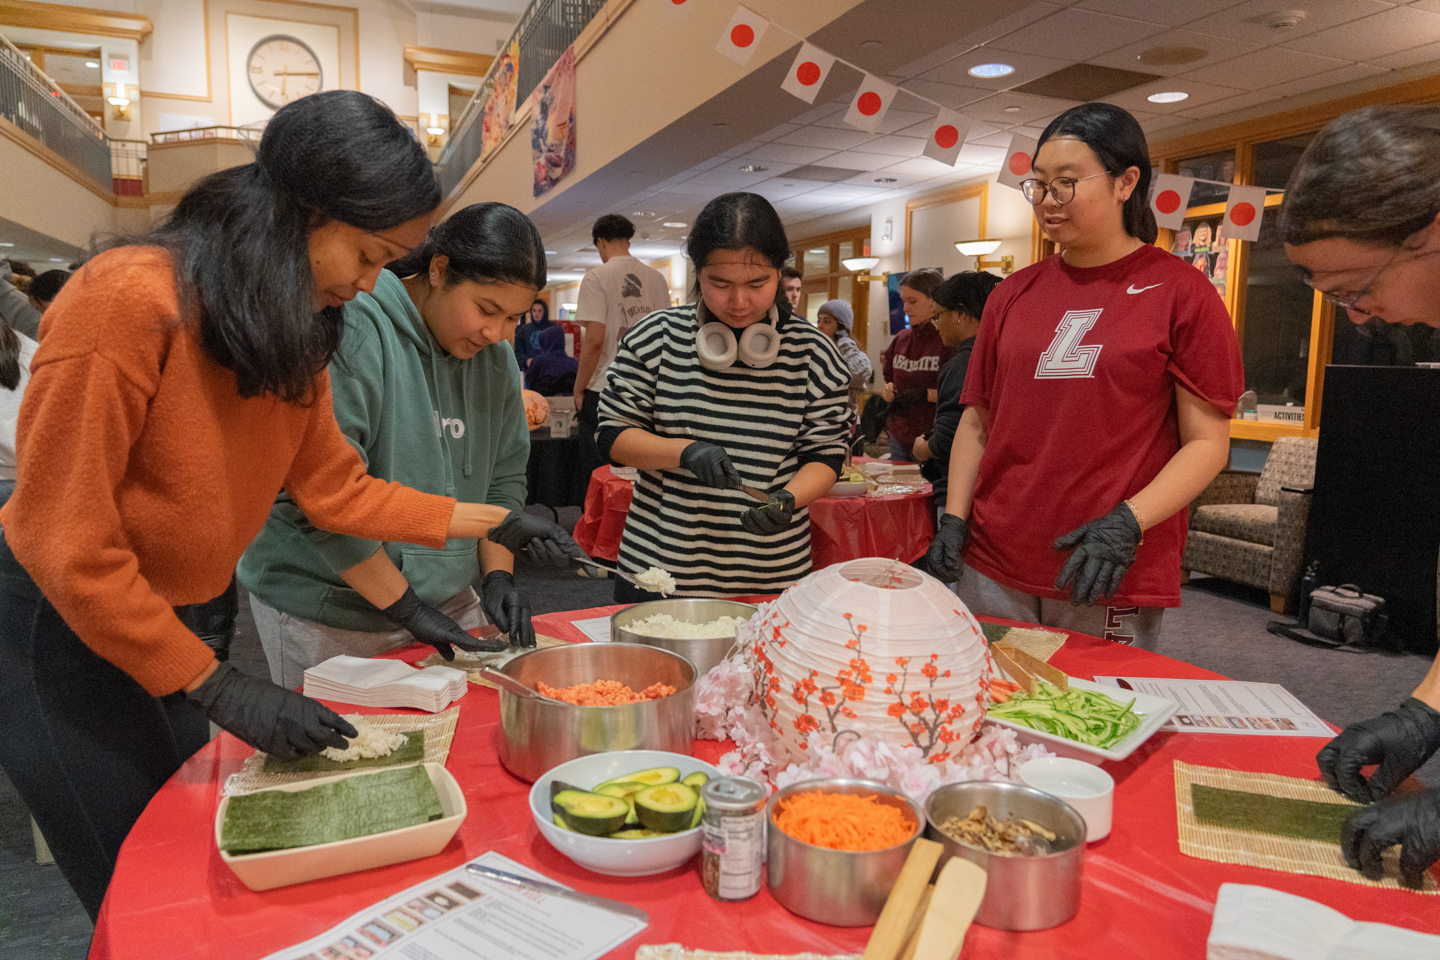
x=704, y=654
x=281, y=868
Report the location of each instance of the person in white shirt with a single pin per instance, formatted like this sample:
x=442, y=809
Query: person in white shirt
x=613, y=297
x=16, y=352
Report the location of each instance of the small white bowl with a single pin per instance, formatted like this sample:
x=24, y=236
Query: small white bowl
x=616, y=858
x=1087, y=788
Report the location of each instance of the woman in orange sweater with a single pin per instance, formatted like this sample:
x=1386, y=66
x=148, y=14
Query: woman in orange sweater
x=181, y=385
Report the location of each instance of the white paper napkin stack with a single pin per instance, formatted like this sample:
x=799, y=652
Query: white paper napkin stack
x=385, y=683
x=1257, y=923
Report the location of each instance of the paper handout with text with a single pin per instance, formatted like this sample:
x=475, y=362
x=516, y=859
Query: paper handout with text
x=1229, y=706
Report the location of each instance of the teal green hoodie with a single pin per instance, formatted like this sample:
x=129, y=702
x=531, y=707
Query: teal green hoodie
x=418, y=416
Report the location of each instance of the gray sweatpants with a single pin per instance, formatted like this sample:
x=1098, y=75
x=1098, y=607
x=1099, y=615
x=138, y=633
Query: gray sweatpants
x=293, y=644
x=1134, y=626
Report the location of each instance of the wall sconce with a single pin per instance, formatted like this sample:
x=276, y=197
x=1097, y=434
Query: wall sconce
x=861, y=265
x=435, y=131
x=119, y=104
x=887, y=232
x=979, y=248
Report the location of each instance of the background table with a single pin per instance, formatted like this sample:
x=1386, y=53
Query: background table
x=841, y=528
x=172, y=897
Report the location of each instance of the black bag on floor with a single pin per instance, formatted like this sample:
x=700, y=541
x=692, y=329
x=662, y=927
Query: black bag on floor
x=1343, y=616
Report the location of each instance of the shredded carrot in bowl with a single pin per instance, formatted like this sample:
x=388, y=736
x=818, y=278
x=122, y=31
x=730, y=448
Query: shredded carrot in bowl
x=843, y=821
x=603, y=693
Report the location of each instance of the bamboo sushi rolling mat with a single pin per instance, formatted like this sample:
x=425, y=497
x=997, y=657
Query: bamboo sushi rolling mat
x=439, y=730
x=674, y=951
x=473, y=663
x=1249, y=848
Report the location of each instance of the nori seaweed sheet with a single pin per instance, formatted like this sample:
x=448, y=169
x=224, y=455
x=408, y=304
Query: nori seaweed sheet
x=413, y=751
x=1302, y=819
x=994, y=632
x=339, y=810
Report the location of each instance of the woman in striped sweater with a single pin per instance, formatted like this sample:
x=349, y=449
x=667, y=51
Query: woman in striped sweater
x=731, y=390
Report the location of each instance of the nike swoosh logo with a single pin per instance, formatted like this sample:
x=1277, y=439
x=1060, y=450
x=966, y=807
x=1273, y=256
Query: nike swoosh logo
x=1143, y=289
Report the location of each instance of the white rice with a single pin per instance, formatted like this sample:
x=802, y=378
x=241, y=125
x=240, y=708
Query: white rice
x=656, y=581
x=666, y=626
x=370, y=741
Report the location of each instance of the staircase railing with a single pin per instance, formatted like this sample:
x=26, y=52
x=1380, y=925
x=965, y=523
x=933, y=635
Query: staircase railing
x=36, y=105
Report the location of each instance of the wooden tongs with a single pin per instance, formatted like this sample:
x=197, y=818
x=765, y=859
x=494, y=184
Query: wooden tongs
x=1024, y=668
x=922, y=921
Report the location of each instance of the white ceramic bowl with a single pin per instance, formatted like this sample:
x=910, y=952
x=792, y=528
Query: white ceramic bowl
x=616, y=858
x=1153, y=712
x=1087, y=788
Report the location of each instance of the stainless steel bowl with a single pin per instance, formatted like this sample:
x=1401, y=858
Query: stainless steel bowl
x=844, y=888
x=704, y=654
x=1021, y=893
x=537, y=735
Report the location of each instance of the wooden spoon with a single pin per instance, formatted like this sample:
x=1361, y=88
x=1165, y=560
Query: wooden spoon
x=958, y=892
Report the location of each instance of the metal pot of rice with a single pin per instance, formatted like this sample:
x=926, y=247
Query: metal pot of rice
x=702, y=631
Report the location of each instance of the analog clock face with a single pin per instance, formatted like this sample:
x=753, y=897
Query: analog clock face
x=283, y=69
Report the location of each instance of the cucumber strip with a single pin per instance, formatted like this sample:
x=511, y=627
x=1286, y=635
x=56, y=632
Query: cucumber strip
x=1085, y=716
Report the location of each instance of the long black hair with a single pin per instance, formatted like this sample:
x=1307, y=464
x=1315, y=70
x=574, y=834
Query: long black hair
x=239, y=237
x=1371, y=176
x=1116, y=139
x=9, y=356
x=486, y=243
x=966, y=292
x=734, y=221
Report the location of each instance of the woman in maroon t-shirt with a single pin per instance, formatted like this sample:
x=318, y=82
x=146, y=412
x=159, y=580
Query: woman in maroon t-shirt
x=911, y=365
x=1097, y=402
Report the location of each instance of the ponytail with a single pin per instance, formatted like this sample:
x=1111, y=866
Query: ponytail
x=485, y=243
x=1115, y=137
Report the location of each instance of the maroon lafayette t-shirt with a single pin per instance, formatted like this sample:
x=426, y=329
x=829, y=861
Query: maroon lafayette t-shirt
x=912, y=362
x=1078, y=368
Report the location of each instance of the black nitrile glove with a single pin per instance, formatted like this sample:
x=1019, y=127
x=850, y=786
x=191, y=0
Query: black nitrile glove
x=541, y=541
x=1104, y=550
x=507, y=607
x=943, y=557
x=1399, y=741
x=429, y=625
x=268, y=717
x=1411, y=820
x=711, y=465
x=770, y=517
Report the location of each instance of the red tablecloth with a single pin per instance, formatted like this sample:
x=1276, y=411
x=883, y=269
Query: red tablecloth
x=841, y=528
x=172, y=897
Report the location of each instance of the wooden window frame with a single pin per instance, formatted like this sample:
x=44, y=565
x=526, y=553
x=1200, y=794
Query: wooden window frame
x=855, y=239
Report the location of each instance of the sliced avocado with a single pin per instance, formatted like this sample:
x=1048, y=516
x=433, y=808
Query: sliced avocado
x=696, y=780
x=624, y=791
x=635, y=834
x=590, y=813
x=668, y=807
x=699, y=813
x=560, y=786
x=649, y=777
x=559, y=821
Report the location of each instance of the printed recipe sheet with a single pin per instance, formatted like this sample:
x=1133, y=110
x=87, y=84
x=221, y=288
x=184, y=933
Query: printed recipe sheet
x=1229, y=706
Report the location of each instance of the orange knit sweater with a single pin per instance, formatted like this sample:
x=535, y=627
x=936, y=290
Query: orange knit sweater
x=143, y=474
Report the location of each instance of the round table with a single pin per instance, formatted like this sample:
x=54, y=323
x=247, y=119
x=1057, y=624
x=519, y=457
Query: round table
x=841, y=528
x=172, y=897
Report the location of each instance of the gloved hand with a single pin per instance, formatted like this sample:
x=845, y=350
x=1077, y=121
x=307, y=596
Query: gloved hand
x=429, y=625
x=711, y=465
x=268, y=717
x=1399, y=741
x=540, y=540
x=507, y=607
x=770, y=517
x=943, y=557
x=1411, y=820
x=1104, y=550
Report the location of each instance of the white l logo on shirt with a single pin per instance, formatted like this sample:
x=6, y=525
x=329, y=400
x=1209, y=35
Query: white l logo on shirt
x=1066, y=359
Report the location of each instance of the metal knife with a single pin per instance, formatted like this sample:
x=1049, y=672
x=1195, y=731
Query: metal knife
x=525, y=883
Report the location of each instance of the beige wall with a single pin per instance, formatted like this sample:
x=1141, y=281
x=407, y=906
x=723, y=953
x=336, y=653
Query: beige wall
x=50, y=202
x=174, y=166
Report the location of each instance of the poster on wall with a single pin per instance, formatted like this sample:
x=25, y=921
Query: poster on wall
x=1200, y=243
x=499, y=99
x=552, y=131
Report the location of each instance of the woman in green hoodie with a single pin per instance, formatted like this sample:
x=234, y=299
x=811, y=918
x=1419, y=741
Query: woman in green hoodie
x=426, y=387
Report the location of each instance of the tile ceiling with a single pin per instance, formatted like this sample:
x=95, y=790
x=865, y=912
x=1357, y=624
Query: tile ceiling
x=1247, y=63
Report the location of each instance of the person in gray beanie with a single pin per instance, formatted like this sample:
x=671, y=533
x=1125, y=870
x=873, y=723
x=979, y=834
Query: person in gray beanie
x=837, y=321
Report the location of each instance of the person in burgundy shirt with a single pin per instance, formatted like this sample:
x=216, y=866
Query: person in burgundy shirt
x=1098, y=402
x=911, y=365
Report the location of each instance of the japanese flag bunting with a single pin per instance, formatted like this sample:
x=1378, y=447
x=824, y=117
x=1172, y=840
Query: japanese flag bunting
x=1243, y=212
x=1016, y=165
x=1169, y=199
x=870, y=105
x=808, y=72
x=947, y=137
x=742, y=36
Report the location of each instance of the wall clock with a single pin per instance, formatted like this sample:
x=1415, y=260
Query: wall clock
x=283, y=69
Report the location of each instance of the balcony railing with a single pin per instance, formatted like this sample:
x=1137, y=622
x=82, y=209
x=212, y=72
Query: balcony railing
x=546, y=29
x=36, y=104
x=128, y=163
x=247, y=134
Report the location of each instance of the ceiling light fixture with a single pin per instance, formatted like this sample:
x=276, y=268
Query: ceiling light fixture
x=753, y=168
x=644, y=213
x=568, y=306
x=92, y=64
x=552, y=253
x=990, y=71
x=870, y=46
x=57, y=259
x=886, y=179
x=677, y=224
x=1172, y=96
x=859, y=263
x=3, y=244
x=1012, y=109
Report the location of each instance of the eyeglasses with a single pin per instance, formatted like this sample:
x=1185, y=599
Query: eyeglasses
x=1346, y=300
x=1061, y=188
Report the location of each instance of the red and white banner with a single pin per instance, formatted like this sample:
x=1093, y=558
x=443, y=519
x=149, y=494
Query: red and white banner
x=870, y=105
x=808, y=72
x=1243, y=212
x=1170, y=199
x=947, y=137
x=742, y=36
x=1016, y=165
x=677, y=9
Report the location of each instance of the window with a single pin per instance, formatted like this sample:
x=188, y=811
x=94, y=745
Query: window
x=1212, y=166
x=825, y=277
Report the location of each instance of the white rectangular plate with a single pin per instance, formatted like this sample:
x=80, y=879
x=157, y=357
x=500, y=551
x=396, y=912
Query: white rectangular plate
x=1153, y=712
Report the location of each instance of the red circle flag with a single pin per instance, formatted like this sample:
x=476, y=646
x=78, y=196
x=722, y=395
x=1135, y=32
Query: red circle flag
x=869, y=103
x=808, y=73
x=743, y=35
x=946, y=136
x=1168, y=201
x=1019, y=163
x=1242, y=214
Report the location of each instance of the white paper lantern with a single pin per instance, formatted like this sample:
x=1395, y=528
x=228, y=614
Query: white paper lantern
x=872, y=641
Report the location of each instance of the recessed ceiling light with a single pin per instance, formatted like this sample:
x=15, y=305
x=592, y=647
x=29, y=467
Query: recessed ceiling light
x=57, y=259
x=991, y=70
x=92, y=64
x=551, y=253
x=871, y=45
x=644, y=213
x=753, y=168
x=675, y=223
x=1172, y=56
x=1173, y=96
x=721, y=126
x=886, y=179
x=1012, y=109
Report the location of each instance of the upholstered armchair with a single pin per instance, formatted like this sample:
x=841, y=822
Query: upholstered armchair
x=1251, y=529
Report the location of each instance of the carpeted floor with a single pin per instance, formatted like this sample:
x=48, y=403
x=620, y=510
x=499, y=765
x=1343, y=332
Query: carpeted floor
x=1221, y=627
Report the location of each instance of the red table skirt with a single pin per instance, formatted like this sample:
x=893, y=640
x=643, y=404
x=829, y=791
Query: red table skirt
x=172, y=897
x=841, y=528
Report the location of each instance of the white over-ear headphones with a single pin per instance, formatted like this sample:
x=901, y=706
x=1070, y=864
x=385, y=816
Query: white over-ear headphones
x=757, y=346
